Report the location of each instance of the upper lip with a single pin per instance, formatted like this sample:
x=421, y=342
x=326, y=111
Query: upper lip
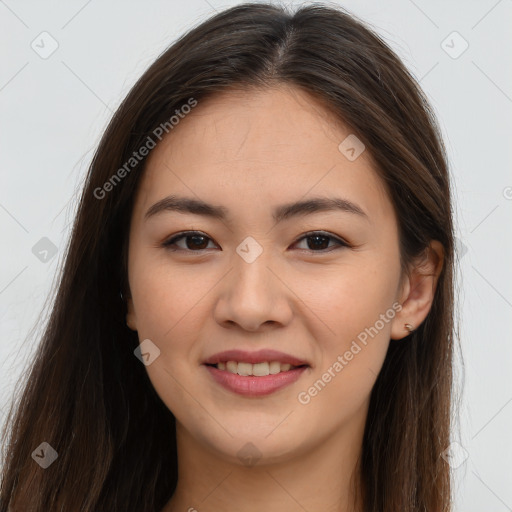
x=259, y=356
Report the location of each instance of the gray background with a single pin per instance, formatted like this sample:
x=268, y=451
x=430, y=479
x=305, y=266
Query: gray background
x=53, y=111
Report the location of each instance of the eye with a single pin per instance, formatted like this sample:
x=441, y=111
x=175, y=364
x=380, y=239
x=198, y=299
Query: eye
x=320, y=240
x=195, y=241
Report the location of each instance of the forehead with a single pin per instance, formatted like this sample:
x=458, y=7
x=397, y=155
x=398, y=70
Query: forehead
x=262, y=147
x=276, y=123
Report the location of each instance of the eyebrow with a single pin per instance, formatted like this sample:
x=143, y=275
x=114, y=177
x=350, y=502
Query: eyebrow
x=280, y=213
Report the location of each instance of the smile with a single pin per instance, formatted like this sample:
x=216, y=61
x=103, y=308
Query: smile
x=254, y=379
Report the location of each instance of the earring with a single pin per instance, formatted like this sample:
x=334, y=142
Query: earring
x=409, y=327
x=121, y=295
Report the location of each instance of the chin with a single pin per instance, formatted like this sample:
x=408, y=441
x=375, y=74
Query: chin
x=250, y=445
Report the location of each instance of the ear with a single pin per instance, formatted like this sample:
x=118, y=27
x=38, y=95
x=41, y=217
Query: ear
x=131, y=317
x=417, y=292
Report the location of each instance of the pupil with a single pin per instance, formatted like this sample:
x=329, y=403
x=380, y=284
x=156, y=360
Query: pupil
x=197, y=241
x=316, y=245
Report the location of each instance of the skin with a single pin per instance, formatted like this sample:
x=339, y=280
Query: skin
x=249, y=152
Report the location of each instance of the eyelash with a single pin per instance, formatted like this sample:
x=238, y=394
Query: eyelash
x=341, y=243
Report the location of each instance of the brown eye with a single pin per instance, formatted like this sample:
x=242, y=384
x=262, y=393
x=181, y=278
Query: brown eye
x=194, y=241
x=319, y=242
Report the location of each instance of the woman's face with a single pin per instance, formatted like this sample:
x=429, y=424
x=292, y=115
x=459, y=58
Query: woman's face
x=258, y=279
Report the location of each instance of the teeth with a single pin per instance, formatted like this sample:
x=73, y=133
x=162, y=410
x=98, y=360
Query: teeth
x=258, y=369
x=244, y=369
x=275, y=367
x=232, y=367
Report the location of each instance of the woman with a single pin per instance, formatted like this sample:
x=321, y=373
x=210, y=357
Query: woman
x=256, y=307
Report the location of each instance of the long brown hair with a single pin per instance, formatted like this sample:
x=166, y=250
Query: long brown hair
x=90, y=398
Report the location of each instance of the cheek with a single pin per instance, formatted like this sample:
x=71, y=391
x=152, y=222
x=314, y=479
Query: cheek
x=349, y=298
x=350, y=359
x=167, y=309
x=170, y=305
x=163, y=300
x=354, y=306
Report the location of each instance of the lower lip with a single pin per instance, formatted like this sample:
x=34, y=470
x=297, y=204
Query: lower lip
x=255, y=386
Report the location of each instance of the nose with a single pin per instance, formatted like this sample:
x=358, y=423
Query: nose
x=254, y=296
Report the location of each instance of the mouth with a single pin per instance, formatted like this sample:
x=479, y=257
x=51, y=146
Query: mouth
x=255, y=374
